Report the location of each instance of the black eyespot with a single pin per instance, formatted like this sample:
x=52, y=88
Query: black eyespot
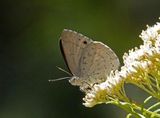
x=85, y=42
x=79, y=39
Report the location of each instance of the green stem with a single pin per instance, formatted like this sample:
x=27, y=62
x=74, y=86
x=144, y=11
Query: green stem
x=126, y=106
x=148, y=112
x=132, y=108
x=154, y=106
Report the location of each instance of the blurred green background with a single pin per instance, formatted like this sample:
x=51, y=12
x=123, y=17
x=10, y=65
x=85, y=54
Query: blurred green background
x=29, y=51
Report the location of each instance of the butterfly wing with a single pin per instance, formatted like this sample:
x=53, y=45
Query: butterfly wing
x=96, y=62
x=72, y=45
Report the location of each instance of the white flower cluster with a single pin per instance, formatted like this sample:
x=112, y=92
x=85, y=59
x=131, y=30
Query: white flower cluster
x=140, y=66
x=103, y=92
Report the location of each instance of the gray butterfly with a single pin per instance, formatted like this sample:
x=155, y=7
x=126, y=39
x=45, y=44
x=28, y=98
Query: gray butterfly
x=88, y=61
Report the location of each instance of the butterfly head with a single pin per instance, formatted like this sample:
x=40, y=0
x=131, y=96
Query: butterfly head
x=75, y=81
x=83, y=85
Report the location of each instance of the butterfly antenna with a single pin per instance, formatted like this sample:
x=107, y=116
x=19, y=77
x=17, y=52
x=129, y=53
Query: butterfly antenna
x=64, y=70
x=59, y=79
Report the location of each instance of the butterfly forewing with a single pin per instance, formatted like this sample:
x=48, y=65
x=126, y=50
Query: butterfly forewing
x=72, y=45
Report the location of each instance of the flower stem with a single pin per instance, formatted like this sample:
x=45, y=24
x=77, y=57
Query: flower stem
x=135, y=110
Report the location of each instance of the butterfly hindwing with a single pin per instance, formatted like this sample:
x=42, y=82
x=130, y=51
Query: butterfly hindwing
x=97, y=61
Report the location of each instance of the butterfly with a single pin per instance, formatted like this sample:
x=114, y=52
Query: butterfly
x=88, y=61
